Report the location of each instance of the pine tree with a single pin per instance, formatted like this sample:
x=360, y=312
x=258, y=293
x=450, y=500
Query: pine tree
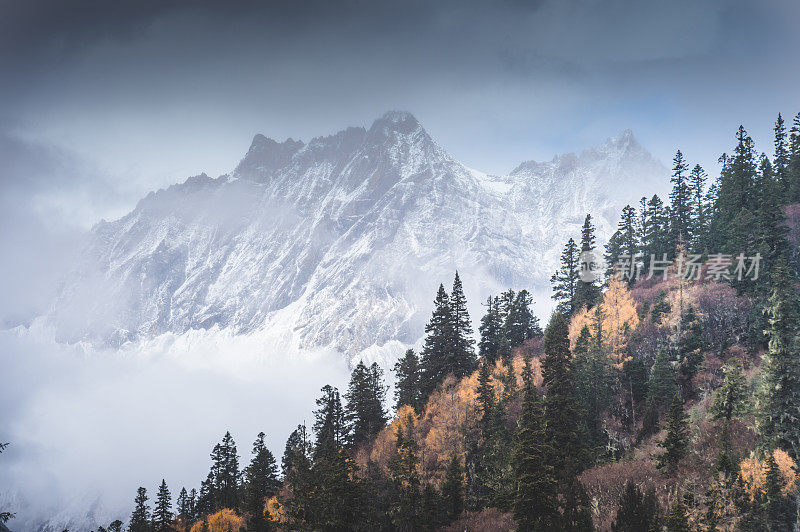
x=206, y=499
x=731, y=398
x=225, y=474
x=187, y=507
x=520, y=323
x=736, y=190
x=655, y=237
x=729, y=402
x=677, y=520
x=680, y=201
x=780, y=509
x=637, y=511
x=364, y=412
x=661, y=387
x=587, y=293
x=140, y=518
x=407, y=385
x=697, y=183
x=771, y=229
x=463, y=355
x=448, y=345
x=793, y=170
x=335, y=498
x=536, y=491
x=690, y=348
x=485, y=391
x=562, y=413
x=593, y=383
x=437, y=348
x=565, y=280
x=162, y=514
x=781, y=157
x=453, y=490
x=184, y=511
x=623, y=247
x=493, y=342
x=779, y=423
x=296, y=465
x=261, y=483
x=614, y=257
x=676, y=443
x=406, y=509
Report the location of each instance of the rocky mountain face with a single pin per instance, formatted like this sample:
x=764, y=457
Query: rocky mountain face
x=340, y=242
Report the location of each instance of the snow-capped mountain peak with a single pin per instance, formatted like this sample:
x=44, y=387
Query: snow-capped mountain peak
x=340, y=241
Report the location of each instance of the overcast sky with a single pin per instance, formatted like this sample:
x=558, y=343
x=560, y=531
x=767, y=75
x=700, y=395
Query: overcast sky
x=101, y=102
x=129, y=96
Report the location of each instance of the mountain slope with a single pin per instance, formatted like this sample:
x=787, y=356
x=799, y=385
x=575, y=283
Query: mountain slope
x=340, y=242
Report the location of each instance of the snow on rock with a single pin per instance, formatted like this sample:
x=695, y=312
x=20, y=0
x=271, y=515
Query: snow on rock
x=341, y=242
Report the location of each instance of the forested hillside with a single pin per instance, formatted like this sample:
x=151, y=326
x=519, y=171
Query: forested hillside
x=663, y=396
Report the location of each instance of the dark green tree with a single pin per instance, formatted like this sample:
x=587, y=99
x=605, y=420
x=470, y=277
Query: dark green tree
x=261, y=482
x=779, y=420
x=406, y=506
x=436, y=352
x=297, y=477
x=520, y=323
x=781, y=156
x=691, y=350
x=655, y=236
x=729, y=402
x=485, y=391
x=680, y=201
x=140, y=518
x=565, y=280
x=587, y=293
x=697, y=185
x=162, y=513
x=637, y=511
x=448, y=344
x=407, y=385
x=661, y=387
x=780, y=508
x=453, y=490
x=364, y=413
x=335, y=498
x=793, y=169
x=493, y=343
x=185, y=507
x=463, y=343
x=562, y=412
x=676, y=442
x=536, y=488
x=225, y=474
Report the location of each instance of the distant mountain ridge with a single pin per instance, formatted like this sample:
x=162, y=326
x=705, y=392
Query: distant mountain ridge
x=342, y=241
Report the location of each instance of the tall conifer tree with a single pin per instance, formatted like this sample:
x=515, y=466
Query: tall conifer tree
x=565, y=280
x=536, y=489
x=780, y=398
x=140, y=518
x=162, y=513
x=680, y=201
x=587, y=293
x=407, y=388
